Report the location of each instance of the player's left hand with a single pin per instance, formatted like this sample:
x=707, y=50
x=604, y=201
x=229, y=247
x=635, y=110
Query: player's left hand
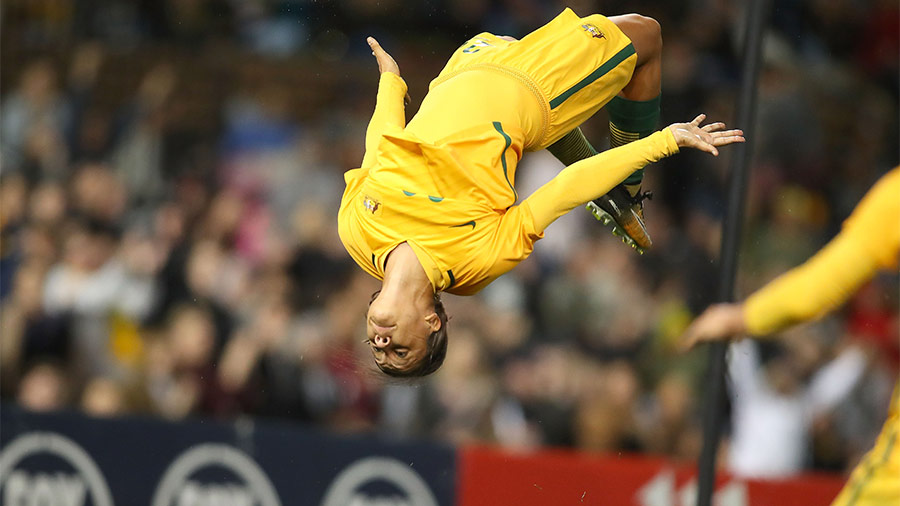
x=705, y=138
x=385, y=61
x=718, y=323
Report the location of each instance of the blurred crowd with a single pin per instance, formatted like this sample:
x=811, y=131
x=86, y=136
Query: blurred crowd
x=170, y=178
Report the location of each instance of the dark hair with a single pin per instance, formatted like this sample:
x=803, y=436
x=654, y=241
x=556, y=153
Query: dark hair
x=435, y=347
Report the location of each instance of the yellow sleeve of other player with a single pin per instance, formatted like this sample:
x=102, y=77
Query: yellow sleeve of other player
x=869, y=241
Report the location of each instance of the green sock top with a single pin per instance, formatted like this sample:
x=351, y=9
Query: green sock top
x=630, y=120
x=638, y=116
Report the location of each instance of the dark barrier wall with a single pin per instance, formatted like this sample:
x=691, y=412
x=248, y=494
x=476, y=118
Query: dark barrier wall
x=69, y=460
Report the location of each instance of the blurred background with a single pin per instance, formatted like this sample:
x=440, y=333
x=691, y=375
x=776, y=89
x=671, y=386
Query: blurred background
x=171, y=172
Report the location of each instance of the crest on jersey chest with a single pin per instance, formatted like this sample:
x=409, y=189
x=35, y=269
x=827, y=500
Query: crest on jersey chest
x=371, y=204
x=593, y=30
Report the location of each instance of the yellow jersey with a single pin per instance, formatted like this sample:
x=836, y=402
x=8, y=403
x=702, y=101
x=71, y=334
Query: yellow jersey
x=452, y=199
x=445, y=183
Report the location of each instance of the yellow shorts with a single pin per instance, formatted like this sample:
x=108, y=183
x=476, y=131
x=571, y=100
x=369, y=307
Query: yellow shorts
x=572, y=65
x=876, y=479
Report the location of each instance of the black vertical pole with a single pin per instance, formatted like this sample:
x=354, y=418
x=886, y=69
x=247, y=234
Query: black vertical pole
x=745, y=116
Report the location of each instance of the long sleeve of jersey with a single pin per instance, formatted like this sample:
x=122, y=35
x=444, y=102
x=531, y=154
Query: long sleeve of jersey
x=592, y=177
x=389, y=110
x=869, y=241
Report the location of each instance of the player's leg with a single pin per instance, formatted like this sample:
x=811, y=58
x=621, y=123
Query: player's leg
x=634, y=114
x=637, y=105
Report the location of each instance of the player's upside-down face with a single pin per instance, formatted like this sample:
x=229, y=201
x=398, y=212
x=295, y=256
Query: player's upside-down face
x=398, y=332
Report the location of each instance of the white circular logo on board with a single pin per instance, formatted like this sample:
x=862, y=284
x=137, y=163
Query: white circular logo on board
x=76, y=483
x=181, y=486
x=346, y=488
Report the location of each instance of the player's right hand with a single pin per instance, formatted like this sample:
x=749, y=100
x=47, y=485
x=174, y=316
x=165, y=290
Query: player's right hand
x=386, y=63
x=706, y=138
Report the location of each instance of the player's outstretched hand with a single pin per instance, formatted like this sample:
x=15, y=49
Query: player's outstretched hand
x=705, y=138
x=718, y=323
x=385, y=61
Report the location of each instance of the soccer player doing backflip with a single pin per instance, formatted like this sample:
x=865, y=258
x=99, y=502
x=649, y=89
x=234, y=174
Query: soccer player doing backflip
x=433, y=206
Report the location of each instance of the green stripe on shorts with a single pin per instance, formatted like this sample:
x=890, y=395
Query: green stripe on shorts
x=593, y=76
x=858, y=486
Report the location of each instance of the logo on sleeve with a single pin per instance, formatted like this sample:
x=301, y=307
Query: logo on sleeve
x=593, y=30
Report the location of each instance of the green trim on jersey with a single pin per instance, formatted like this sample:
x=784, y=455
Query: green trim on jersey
x=499, y=128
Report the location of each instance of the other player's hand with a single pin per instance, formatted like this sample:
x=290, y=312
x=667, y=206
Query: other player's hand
x=705, y=138
x=718, y=323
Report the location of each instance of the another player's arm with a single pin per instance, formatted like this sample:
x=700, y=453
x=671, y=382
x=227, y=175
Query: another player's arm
x=389, y=105
x=821, y=284
x=592, y=177
x=802, y=294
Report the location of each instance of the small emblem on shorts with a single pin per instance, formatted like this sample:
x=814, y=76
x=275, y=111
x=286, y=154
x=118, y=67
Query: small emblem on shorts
x=371, y=204
x=593, y=30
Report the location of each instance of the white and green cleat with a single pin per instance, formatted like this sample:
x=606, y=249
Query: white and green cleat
x=623, y=212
